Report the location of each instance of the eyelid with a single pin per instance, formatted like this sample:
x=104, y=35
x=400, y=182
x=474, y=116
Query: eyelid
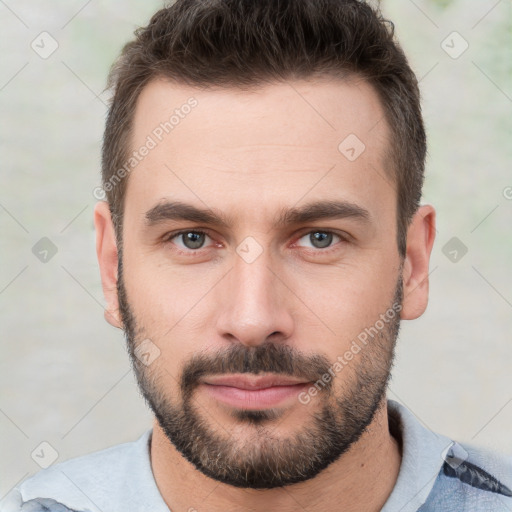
x=173, y=234
x=314, y=229
x=168, y=237
x=344, y=237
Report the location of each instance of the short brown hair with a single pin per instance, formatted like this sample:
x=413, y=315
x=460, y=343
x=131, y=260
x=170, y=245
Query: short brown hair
x=245, y=43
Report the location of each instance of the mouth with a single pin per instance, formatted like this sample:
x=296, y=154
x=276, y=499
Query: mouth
x=252, y=392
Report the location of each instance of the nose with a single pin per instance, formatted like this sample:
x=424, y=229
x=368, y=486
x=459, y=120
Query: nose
x=255, y=304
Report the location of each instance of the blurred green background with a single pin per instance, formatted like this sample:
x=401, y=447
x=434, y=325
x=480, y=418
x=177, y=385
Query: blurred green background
x=64, y=372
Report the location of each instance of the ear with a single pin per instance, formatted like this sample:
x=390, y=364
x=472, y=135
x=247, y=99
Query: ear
x=420, y=239
x=106, y=251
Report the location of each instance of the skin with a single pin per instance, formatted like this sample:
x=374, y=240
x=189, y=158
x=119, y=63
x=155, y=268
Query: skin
x=250, y=154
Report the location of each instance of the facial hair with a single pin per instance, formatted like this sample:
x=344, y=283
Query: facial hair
x=265, y=460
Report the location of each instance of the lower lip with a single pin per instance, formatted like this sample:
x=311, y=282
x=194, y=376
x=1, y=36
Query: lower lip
x=255, y=398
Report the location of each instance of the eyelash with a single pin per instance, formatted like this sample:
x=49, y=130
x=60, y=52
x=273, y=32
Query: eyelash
x=170, y=236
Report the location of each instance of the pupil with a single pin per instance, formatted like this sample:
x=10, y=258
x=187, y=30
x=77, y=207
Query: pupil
x=193, y=240
x=321, y=241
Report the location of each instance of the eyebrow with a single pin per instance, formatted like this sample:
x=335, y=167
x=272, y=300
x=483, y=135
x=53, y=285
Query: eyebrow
x=319, y=210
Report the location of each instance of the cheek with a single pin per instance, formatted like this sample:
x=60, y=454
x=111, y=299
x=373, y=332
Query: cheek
x=341, y=304
x=170, y=307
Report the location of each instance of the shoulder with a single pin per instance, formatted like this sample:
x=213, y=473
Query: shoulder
x=84, y=483
x=438, y=473
x=473, y=477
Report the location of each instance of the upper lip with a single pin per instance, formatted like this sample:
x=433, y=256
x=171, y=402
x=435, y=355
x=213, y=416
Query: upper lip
x=252, y=382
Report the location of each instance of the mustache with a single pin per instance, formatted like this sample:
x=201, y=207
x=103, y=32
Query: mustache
x=265, y=358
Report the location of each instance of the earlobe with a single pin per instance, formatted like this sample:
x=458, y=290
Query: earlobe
x=106, y=251
x=420, y=239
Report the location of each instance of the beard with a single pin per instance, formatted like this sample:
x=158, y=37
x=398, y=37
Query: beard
x=263, y=459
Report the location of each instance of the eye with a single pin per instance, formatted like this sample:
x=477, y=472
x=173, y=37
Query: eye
x=320, y=239
x=191, y=240
x=194, y=240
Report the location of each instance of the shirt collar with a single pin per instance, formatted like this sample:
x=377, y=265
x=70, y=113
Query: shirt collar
x=422, y=459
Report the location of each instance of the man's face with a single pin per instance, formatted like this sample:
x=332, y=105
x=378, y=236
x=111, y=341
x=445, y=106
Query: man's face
x=264, y=293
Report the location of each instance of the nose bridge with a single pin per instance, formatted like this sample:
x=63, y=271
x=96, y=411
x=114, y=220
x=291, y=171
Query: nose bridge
x=253, y=281
x=253, y=305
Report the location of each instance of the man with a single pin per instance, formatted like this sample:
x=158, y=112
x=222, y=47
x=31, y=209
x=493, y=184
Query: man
x=261, y=240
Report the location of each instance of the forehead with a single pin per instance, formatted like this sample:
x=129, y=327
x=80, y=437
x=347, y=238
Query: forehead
x=223, y=147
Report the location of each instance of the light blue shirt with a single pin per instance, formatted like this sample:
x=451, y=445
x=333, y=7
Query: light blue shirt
x=436, y=475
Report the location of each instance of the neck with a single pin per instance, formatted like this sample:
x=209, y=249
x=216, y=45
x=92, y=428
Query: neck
x=361, y=479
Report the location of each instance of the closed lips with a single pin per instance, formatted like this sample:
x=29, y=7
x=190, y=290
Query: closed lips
x=252, y=383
